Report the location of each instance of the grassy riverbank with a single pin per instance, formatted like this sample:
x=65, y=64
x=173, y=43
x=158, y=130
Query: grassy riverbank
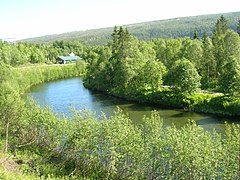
x=203, y=102
x=217, y=104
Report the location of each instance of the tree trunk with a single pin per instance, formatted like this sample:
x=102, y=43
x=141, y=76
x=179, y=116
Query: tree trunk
x=6, y=139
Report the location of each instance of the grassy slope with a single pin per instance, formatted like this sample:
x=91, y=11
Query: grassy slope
x=170, y=28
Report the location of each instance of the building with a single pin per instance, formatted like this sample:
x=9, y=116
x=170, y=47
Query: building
x=68, y=59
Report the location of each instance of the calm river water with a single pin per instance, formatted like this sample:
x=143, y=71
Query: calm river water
x=60, y=95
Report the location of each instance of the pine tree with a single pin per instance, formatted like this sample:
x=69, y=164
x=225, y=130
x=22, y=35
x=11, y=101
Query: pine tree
x=126, y=58
x=205, y=35
x=221, y=26
x=196, y=36
x=208, y=63
x=231, y=47
x=238, y=28
x=230, y=79
x=219, y=32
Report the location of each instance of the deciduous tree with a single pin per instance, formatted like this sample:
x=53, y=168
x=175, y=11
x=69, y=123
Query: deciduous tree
x=183, y=76
x=229, y=80
x=208, y=63
x=219, y=32
x=152, y=75
x=10, y=104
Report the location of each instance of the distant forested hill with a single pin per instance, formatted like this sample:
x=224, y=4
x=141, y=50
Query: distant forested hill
x=170, y=28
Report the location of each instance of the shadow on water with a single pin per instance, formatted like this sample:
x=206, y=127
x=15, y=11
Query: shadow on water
x=181, y=114
x=142, y=107
x=209, y=120
x=106, y=100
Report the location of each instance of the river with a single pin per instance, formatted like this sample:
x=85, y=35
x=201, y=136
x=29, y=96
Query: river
x=61, y=95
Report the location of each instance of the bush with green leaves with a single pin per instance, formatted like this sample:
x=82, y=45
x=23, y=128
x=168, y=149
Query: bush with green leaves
x=183, y=76
x=115, y=148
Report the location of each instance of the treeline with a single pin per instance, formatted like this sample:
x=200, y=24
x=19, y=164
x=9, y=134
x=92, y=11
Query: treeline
x=21, y=53
x=170, y=28
x=172, y=71
x=82, y=146
x=24, y=54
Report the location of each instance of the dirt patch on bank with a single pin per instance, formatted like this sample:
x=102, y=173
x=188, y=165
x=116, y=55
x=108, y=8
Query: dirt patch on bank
x=8, y=164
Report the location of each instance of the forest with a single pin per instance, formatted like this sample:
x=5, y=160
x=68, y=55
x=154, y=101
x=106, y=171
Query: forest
x=169, y=28
x=196, y=74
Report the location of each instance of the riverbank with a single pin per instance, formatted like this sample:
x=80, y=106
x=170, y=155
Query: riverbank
x=29, y=76
x=214, y=103
x=197, y=102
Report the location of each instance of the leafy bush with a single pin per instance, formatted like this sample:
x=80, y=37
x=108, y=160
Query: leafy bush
x=114, y=148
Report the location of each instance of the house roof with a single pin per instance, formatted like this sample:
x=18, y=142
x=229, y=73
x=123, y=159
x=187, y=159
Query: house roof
x=69, y=58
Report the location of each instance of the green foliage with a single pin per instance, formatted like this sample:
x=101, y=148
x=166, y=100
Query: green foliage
x=106, y=148
x=191, y=50
x=10, y=104
x=5, y=175
x=207, y=68
x=214, y=104
x=221, y=26
x=116, y=68
x=229, y=80
x=98, y=76
x=238, y=28
x=231, y=47
x=126, y=58
x=151, y=75
x=114, y=148
x=15, y=120
x=220, y=29
x=27, y=77
x=84, y=146
x=16, y=54
x=183, y=76
x=167, y=50
x=135, y=70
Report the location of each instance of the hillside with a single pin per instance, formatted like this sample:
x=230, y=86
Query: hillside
x=170, y=28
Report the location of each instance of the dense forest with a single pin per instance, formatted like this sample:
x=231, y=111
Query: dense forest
x=170, y=28
x=199, y=73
